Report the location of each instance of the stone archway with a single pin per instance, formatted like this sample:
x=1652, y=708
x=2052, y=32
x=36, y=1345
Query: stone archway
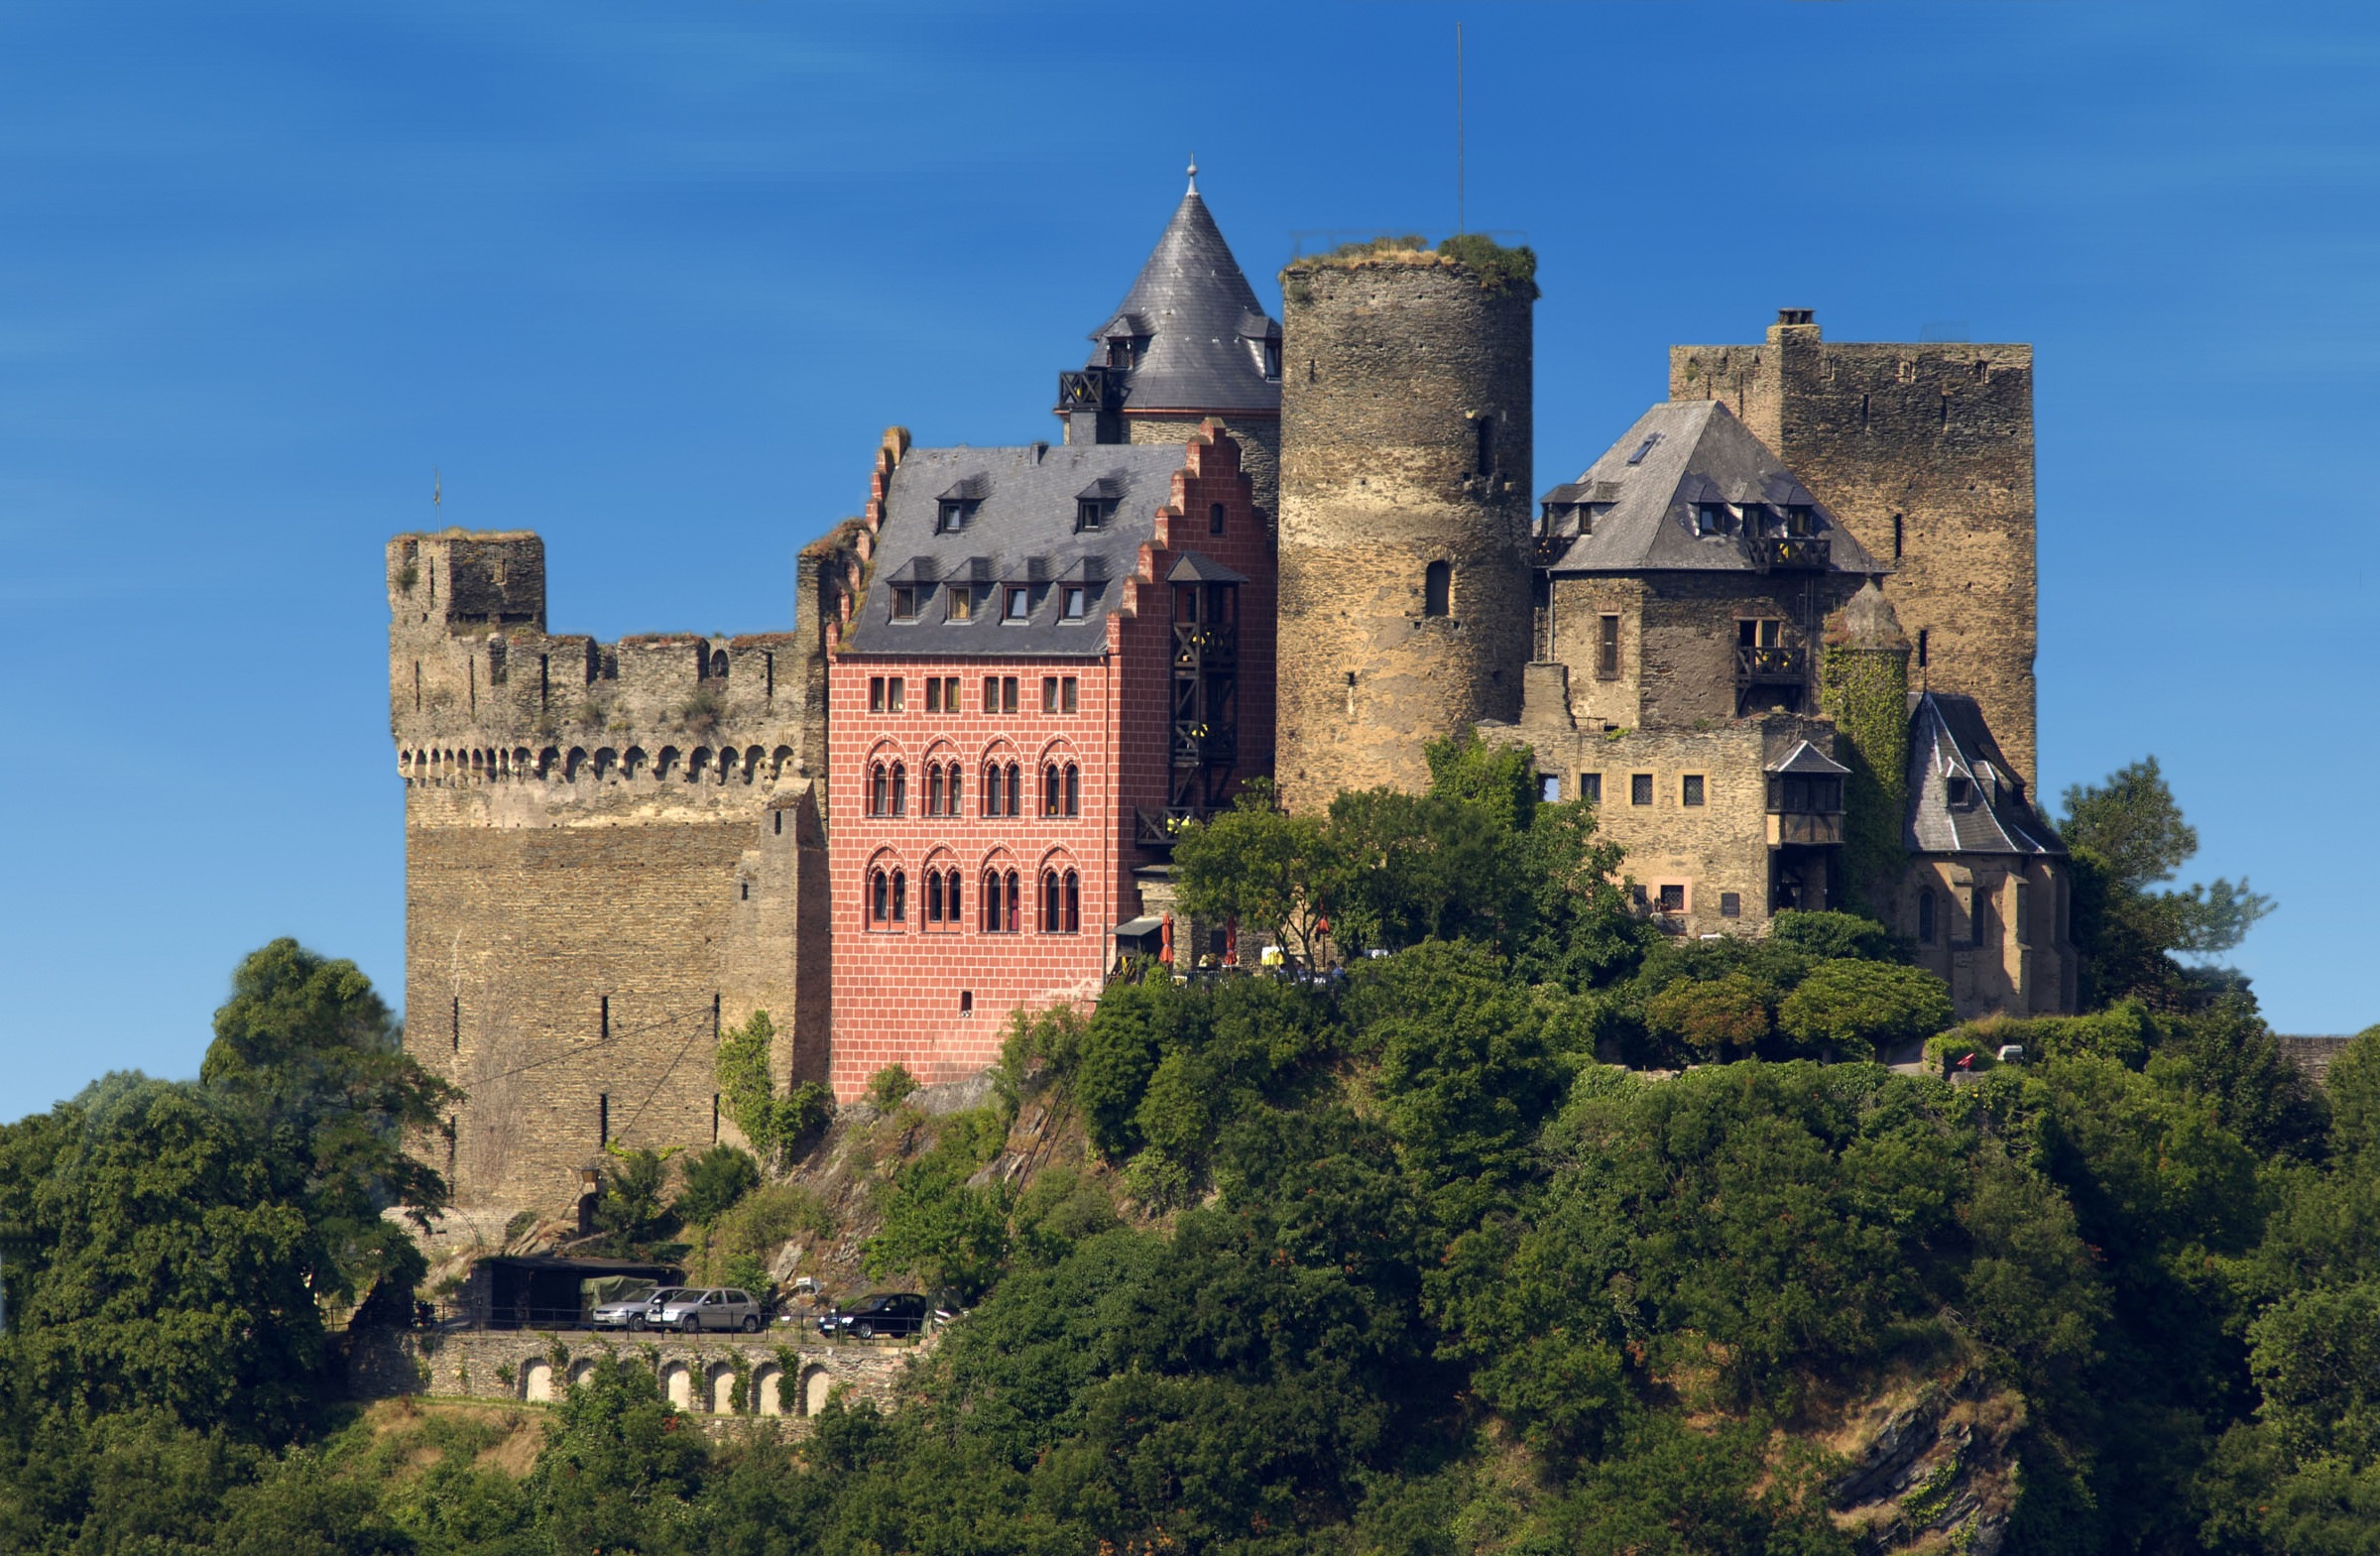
x=677, y=1385
x=765, y=1400
x=537, y=1382
x=719, y=1393
x=816, y=1388
x=580, y=1371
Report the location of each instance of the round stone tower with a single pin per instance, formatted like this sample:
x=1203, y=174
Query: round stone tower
x=1405, y=605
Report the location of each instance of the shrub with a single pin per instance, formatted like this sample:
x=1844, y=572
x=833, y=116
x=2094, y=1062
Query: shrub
x=716, y=1180
x=888, y=1086
x=1864, y=1006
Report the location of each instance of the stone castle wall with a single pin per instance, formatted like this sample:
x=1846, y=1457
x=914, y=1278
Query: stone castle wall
x=1392, y=364
x=608, y=847
x=1711, y=850
x=1926, y=454
x=1678, y=639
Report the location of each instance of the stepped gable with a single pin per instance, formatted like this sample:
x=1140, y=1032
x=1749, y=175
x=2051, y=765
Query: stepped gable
x=1635, y=509
x=1963, y=795
x=1195, y=331
x=1019, y=525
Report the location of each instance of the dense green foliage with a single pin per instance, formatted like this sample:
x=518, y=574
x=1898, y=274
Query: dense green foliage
x=777, y=1127
x=1393, y=1261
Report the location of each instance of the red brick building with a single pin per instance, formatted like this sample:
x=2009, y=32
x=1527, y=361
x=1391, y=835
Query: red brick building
x=1057, y=649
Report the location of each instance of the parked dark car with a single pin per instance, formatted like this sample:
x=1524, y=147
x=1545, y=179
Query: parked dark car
x=887, y=1313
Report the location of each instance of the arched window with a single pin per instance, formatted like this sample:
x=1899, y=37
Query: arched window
x=1925, y=917
x=901, y=789
x=992, y=788
x=952, y=798
x=950, y=905
x=880, y=793
x=1073, y=789
x=933, y=788
x=1052, y=912
x=1050, y=797
x=879, y=896
x=900, y=897
x=991, y=901
x=1074, y=902
x=1438, y=589
x=933, y=897
x=1015, y=916
x=1015, y=791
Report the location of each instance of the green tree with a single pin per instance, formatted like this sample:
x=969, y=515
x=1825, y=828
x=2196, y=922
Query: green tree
x=1863, y=1007
x=2128, y=837
x=175, y=1270
x=619, y=1469
x=1711, y=1017
x=307, y=1058
x=1262, y=868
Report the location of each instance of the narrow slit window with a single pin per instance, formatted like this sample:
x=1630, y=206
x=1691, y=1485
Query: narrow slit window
x=1438, y=589
x=1484, y=446
x=1216, y=514
x=1606, y=647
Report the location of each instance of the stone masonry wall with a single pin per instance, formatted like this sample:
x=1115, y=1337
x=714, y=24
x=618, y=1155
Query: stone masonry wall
x=2003, y=932
x=1926, y=454
x=1676, y=639
x=1391, y=366
x=1718, y=847
x=608, y=850
x=699, y=1372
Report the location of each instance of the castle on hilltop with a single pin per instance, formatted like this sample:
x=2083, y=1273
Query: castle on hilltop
x=1780, y=633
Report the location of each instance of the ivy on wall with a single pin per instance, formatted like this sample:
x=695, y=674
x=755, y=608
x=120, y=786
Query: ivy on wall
x=1866, y=692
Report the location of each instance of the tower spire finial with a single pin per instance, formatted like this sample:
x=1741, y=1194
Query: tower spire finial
x=1194, y=172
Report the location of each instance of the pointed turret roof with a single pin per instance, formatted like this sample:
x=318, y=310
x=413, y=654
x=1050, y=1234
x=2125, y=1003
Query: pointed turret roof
x=1197, y=330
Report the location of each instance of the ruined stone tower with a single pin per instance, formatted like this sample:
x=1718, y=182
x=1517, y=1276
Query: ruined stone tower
x=1925, y=452
x=1405, y=462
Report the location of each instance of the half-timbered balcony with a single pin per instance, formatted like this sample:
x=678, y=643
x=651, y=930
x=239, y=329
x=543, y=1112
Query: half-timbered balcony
x=1775, y=665
x=1197, y=646
x=1197, y=744
x=1786, y=552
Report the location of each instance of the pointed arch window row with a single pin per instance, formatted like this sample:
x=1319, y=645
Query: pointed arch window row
x=1000, y=897
x=1002, y=789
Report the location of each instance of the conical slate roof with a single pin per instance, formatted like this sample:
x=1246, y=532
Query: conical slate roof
x=1198, y=331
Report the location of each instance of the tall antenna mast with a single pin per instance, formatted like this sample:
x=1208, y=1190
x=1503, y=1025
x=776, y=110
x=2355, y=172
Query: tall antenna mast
x=1458, y=127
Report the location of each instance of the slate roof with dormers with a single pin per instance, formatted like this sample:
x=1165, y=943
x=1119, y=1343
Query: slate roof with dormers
x=1947, y=739
x=1201, y=327
x=1679, y=453
x=1020, y=531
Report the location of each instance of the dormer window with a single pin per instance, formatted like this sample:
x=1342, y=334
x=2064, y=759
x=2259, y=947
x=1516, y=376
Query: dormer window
x=1800, y=521
x=1272, y=357
x=1091, y=513
x=1073, y=602
x=1709, y=517
x=1120, y=351
x=909, y=599
x=956, y=514
x=962, y=604
x=1963, y=791
x=1016, y=604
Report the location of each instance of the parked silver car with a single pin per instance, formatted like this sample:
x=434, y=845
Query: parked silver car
x=697, y=1308
x=632, y=1309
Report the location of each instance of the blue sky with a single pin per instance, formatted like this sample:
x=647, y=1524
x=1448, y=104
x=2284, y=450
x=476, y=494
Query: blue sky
x=652, y=280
